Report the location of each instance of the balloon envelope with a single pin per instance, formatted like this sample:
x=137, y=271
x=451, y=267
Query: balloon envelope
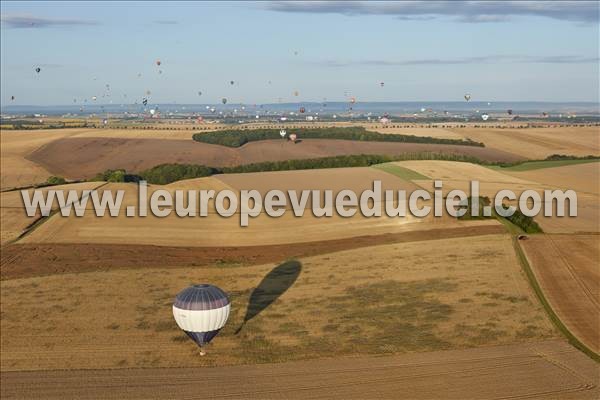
x=201, y=311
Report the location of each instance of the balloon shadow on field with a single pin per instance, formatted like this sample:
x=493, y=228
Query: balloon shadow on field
x=273, y=285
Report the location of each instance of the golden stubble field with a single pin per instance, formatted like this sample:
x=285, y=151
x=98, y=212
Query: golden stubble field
x=386, y=299
x=566, y=267
x=538, y=143
x=215, y=230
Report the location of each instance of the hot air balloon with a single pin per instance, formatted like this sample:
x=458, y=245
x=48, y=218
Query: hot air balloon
x=12, y=98
x=509, y=112
x=381, y=84
x=353, y=100
x=231, y=82
x=199, y=93
x=224, y=100
x=38, y=69
x=152, y=111
x=484, y=117
x=145, y=101
x=296, y=93
x=282, y=133
x=302, y=109
x=158, y=62
x=201, y=311
x=293, y=137
x=467, y=97
x=384, y=120
x=94, y=98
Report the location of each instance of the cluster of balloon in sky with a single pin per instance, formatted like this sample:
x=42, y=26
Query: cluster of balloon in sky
x=154, y=112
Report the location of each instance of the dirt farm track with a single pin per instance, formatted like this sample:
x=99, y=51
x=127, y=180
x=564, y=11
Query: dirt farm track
x=544, y=370
x=78, y=158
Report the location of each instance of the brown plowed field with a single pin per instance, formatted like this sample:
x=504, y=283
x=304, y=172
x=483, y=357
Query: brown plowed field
x=27, y=260
x=566, y=267
x=78, y=158
x=544, y=370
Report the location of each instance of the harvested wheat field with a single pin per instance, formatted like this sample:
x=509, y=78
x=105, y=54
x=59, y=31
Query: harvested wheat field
x=17, y=171
x=28, y=260
x=566, y=267
x=543, y=370
x=77, y=158
x=217, y=231
x=583, y=178
x=12, y=210
x=538, y=143
x=393, y=298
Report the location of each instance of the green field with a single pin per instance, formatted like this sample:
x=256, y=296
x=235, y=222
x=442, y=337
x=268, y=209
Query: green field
x=401, y=172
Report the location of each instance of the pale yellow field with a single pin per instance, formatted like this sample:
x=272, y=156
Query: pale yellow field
x=12, y=211
x=15, y=145
x=538, y=143
x=583, y=178
x=215, y=230
x=380, y=300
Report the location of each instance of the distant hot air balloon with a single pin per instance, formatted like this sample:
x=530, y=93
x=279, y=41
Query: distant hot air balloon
x=145, y=101
x=295, y=93
x=509, y=112
x=467, y=97
x=201, y=311
x=231, y=82
x=152, y=111
x=353, y=100
x=158, y=62
x=485, y=117
x=12, y=98
x=302, y=110
x=224, y=100
x=199, y=93
x=384, y=120
x=38, y=69
x=282, y=133
x=94, y=98
x=293, y=137
x=381, y=84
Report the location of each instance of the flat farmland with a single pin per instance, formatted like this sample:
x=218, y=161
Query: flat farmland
x=548, y=369
x=386, y=299
x=566, y=267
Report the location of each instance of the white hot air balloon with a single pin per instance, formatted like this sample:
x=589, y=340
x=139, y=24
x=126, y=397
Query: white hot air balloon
x=484, y=117
x=201, y=311
x=282, y=133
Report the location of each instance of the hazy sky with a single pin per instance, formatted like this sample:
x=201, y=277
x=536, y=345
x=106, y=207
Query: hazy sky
x=434, y=51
